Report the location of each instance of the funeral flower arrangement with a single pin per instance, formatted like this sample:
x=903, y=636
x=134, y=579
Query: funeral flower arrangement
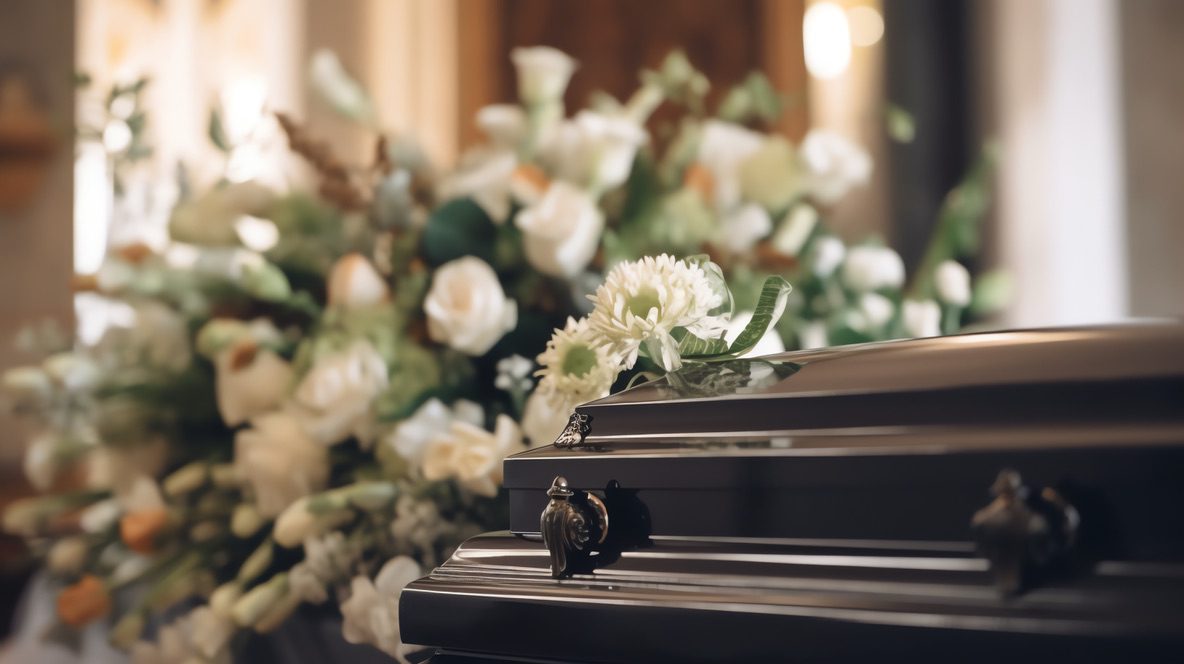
x=320, y=420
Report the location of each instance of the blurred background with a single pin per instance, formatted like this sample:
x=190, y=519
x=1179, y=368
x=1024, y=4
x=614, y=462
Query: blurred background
x=1083, y=98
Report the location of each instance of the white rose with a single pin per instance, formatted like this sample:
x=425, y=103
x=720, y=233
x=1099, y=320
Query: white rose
x=921, y=318
x=877, y=310
x=543, y=73
x=545, y=416
x=249, y=381
x=279, y=462
x=72, y=371
x=742, y=228
x=371, y=614
x=873, y=268
x=604, y=148
x=333, y=84
x=485, y=176
x=354, y=283
x=828, y=253
x=953, y=283
x=833, y=165
x=769, y=344
x=562, y=231
x=770, y=175
x=411, y=436
x=467, y=308
x=504, y=124
x=333, y=399
x=472, y=455
x=723, y=148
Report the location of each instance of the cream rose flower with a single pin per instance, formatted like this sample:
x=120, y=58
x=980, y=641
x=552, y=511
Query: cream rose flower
x=543, y=73
x=873, y=268
x=742, y=228
x=953, y=283
x=641, y=302
x=485, y=176
x=504, y=124
x=922, y=318
x=723, y=149
x=471, y=455
x=833, y=165
x=354, y=283
x=333, y=399
x=770, y=175
x=410, y=437
x=279, y=462
x=467, y=308
x=371, y=614
x=249, y=381
x=594, y=150
x=545, y=416
x=562, y=231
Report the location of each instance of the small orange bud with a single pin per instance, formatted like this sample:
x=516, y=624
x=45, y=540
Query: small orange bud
x=698, y=178
x=134, y=253
x=243, y=354
x=139, y=529
x=529, y=181
x=83, y=602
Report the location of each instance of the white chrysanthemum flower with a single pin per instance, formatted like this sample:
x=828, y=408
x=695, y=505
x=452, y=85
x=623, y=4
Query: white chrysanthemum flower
x=577, y=363
x=642, y=301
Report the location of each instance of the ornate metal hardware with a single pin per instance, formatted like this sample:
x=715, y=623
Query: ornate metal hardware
x=1021, y=533
x=572, y=523
x=577, y=429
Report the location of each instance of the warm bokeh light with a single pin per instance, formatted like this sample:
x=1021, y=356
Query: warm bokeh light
x=867, y=25
x=826, y=37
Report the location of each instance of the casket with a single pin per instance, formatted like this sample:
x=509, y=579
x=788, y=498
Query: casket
x=997, y=495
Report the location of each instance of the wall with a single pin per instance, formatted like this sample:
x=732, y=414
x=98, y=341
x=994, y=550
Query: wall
x=37, y=39
x=1153, y=106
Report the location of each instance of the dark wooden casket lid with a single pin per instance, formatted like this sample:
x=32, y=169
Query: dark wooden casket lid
x=818, y=504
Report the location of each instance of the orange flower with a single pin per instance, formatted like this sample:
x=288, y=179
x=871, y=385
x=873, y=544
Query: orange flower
x=139, y=529
x=83, y=602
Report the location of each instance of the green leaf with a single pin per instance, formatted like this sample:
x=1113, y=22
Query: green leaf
x=217, y=132
x=769, y=307
x=901, y=126
x=690, y=345
x=459, y=228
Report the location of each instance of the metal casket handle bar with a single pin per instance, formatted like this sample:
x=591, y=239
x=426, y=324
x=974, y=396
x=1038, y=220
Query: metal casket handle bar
x=572, y=524
x=1021, y=532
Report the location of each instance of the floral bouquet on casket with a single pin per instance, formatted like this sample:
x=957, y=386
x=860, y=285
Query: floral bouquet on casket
x=306, y=399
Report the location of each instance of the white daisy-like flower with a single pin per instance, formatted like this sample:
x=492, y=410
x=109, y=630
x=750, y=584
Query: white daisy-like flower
x=577, y=363
x=641, y=302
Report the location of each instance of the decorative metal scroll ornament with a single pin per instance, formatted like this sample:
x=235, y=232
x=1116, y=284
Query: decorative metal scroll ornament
x=571, y=524
x=1020, y=534
x=576, y=430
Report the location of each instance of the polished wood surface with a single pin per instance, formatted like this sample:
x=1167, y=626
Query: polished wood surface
x=850, y=509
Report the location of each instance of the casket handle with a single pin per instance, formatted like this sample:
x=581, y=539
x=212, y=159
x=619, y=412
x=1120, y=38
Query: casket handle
x=572, y=524
x=1021, y=532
